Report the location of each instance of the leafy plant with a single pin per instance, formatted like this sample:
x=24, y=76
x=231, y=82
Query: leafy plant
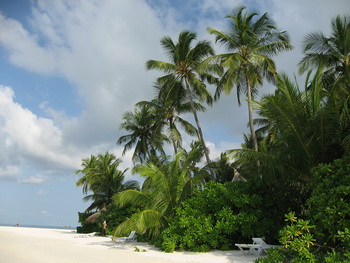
x=214, y=218
x=166, y=186
x=297, y=242
x=329, y=205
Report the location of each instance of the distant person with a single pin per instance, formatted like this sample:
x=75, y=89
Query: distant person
x=17, y=224
x=104, y=228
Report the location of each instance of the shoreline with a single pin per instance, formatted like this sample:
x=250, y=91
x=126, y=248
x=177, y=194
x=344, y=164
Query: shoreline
x=36, y=245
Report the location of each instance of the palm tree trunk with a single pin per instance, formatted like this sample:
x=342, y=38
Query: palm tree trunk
x=251, y=124
x=171, y=125
x=200, y=133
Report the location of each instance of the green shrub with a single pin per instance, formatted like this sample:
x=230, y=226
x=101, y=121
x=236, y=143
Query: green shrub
x=329, y=205
x=116, y=215
x=297, y=243
x=329, y=214
x=215, y=218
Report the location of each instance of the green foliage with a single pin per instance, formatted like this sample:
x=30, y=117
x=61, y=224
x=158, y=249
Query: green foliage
x=343, y=255
x=102, y=179
x=185, y=66
x=329, y=205
x=223, y=169
x=115, y=215
x=139, y=250
x=297, y=243
x=166, y=186
x=170, y=102
x=251, y=42
x=329, y=212
x=145, y=133
x=215, y=218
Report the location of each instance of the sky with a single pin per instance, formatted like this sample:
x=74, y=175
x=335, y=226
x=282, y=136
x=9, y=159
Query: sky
x=70, y=69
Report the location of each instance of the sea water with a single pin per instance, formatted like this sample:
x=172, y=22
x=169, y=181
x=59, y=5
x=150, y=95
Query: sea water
x=39, y=226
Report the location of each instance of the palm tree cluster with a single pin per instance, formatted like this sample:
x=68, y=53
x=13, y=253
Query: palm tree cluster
x=298, y=128
x=302, y=128
x=251, y=42
x=102, y=180
x=165, y=187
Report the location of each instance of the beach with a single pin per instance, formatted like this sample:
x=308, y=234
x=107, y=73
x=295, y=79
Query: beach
x=41, y=245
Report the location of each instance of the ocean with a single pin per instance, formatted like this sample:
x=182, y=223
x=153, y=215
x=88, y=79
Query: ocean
x=40, y=226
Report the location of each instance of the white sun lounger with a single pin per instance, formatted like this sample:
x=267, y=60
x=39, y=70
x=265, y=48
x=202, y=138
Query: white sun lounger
x=130, y=238
x=258, y=247
x=86, y=235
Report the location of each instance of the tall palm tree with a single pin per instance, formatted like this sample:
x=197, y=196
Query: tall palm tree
x=103, y=179
x=169, y=103
x=332, y=55
x=184, y=65
x=145, y=133
x=302, y=131
x=166, y=186
x=332, y=52
x=250, y=41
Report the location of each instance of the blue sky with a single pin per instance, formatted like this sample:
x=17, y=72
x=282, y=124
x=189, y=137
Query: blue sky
x=70, y=69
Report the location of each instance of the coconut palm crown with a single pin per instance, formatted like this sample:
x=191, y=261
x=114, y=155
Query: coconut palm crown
x=184, y=64
x=250, y=42
x=331, y=52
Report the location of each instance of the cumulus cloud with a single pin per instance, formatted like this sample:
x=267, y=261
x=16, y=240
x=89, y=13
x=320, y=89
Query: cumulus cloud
x=37, y=179
x=23, y=48
x=100, y=48
x=35, y=141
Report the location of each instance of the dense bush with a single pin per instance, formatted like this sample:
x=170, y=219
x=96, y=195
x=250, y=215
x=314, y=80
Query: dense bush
x=329, y=205
x=297, y=243
x=325, y=236
x=216, y=217
x=116, y=215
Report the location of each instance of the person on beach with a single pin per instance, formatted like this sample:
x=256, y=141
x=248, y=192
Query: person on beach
x=104, y=228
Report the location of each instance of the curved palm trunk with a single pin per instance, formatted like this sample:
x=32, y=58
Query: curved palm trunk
x=251, y=124
x=200, y=133
x=171, y=124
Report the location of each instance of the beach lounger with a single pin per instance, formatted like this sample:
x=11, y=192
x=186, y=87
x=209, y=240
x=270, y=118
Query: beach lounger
x=86, y=235
x=258, y=247
x=130, y=238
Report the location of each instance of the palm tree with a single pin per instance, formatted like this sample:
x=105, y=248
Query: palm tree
x=103, y=179
x=302, y=131
x=332, y=52
x=184, y=65
x=170, y=102
x=224, y=170
x=332, y=56
x=145, y=133
x=251, y=42
x=166, y=186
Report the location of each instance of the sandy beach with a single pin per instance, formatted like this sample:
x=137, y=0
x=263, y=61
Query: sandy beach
x=38, y=245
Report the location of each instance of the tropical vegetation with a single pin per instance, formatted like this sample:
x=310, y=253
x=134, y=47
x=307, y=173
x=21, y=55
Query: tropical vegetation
x=184, y=67
x=101, y=181
x=289, y=181
x=250, y=42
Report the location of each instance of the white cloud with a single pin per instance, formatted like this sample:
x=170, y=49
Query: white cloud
x=37, y=179
x=35, y=141
x=23, y=48
x=41, y=192
x=9, y=172
x=101, y=48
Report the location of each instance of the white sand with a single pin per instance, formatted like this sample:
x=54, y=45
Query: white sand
x=37, y=245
